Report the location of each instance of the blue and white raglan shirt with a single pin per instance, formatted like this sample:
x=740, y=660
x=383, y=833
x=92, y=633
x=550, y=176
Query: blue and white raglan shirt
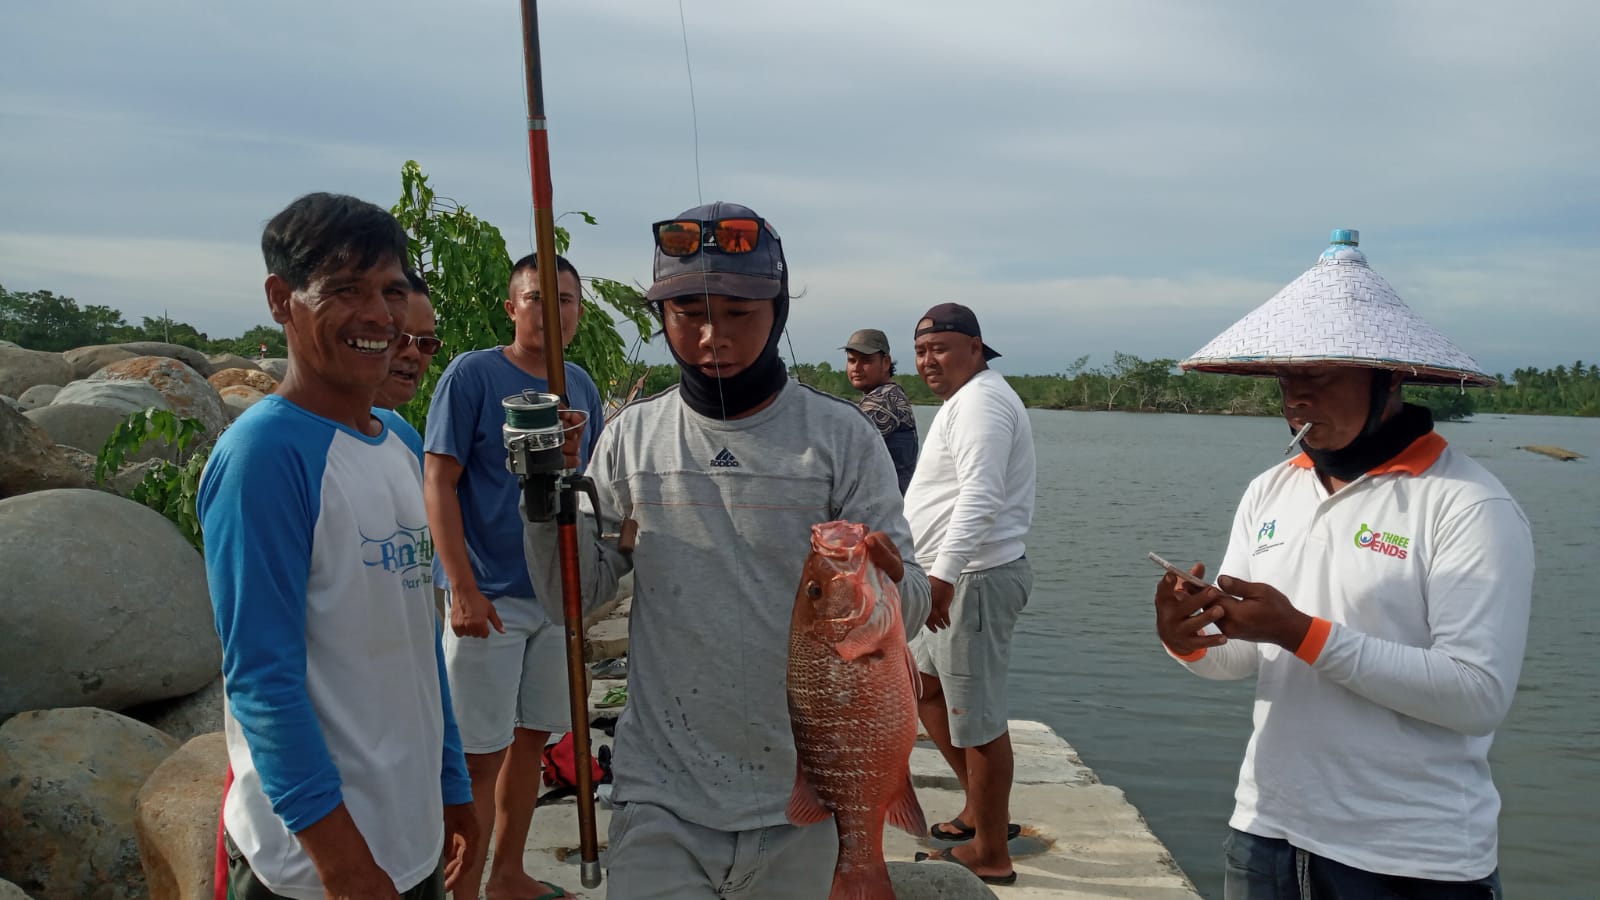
x=317, y=554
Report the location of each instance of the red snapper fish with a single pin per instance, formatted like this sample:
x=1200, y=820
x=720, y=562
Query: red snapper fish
x=853, y=706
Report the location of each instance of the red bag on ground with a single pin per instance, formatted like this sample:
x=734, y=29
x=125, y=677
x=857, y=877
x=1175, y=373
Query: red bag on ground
x=561, y=764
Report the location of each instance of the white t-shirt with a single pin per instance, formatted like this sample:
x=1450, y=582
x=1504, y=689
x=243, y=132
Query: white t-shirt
x=1371, y=741
x=970, y=503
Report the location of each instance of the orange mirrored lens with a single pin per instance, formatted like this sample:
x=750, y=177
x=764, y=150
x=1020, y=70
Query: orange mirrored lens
x=737, y=235
x=678, y=238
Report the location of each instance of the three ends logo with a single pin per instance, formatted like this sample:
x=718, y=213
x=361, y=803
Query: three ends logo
x=1368, y=538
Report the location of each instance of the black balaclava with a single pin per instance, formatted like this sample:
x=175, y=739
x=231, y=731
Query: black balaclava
x=1379, y=440
x=722, y=398
x=758, y=275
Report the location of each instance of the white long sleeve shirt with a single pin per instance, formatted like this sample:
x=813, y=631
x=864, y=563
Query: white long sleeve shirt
x=1371, y=740
x=970, y=503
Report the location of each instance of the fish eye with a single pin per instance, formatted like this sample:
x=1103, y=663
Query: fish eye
x=813, y=590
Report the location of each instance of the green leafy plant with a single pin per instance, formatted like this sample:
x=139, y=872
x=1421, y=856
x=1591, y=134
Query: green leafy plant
x=168, y=488
x=467, y=266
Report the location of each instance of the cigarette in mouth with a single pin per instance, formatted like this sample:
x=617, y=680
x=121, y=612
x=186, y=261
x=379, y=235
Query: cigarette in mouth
x=1298, y=435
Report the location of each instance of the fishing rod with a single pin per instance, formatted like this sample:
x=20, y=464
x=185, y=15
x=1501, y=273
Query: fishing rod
x=549, y=491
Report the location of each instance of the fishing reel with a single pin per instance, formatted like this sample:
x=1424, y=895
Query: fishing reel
x=533, y=435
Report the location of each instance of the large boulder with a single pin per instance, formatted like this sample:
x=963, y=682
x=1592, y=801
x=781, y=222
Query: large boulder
x=176, y=820
x=86, y=361
x=38, y=395
x=189, y=356
x=240, y=397
x=221, y=362
x=9, y=891
x=22, y=369
x=277, y=366
x=67, y=803
x=255, y=378
x=936, y=881
x=103, y=603
x=123, y=396
x=87, y=427
x=185, y=389
x=185, y=717
x=29, y=462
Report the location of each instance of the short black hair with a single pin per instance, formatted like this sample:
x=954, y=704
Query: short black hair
x=419, y=285
x=891, y=367
x=321, y=231
x=530, y=263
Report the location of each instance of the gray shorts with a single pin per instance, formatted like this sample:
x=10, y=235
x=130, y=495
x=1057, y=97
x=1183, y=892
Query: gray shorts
x=971, y=657
x=655, y=854
x=506, y=681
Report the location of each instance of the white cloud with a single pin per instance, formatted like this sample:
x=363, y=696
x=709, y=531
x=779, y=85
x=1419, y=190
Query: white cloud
x=1124, y=175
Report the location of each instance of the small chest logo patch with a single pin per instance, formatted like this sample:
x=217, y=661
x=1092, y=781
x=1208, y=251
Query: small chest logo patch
x=724, y=460
x=1384, y=542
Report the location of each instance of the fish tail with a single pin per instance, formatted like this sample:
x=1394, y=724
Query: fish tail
x=862, y=882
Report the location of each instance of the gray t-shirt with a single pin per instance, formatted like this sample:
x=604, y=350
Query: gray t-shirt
x=725, y=510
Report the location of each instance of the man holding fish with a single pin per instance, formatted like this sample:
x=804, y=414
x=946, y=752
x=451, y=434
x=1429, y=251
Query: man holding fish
x=1377, y=587
x=725, y=475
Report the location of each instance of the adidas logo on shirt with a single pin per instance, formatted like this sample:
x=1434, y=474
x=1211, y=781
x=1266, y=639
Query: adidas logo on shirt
x=724, y=460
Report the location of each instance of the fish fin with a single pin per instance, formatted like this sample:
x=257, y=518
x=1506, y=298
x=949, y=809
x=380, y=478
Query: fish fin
x=905, y=813
x=805, y=807
x=880, y=628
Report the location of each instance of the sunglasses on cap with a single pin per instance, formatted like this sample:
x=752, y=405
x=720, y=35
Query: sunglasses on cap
x=424, y=343
x=685, y=237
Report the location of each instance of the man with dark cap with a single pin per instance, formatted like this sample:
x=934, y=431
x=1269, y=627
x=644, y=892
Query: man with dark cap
x=871, y=371
x=970, y=506
x=1377, y=588
x=724, y=475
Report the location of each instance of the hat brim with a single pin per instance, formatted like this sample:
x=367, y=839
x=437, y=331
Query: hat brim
x=1410, y=373
x=863, y=348
x=695, y=284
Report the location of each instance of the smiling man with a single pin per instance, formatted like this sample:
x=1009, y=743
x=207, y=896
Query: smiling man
x=418, y=343
x=348, y=777
x=970, y=506
x=725, y=474
x=1377, y=588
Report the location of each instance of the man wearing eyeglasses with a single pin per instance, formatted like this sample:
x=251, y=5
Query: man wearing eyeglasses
x=420, y=342
x=724, y=474
x=506, y=657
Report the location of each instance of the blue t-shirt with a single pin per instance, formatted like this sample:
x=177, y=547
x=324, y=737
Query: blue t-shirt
x=464, y=422
x=317, y=551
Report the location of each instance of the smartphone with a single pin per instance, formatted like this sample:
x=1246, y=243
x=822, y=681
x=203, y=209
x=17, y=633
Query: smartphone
x=1181, y=573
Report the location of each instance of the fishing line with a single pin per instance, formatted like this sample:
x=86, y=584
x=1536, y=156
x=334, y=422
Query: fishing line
x=738, y=570
x=694, y=111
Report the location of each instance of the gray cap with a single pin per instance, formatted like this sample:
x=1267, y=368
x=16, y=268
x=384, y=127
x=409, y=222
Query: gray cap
x=757, y=275
x=867, y=340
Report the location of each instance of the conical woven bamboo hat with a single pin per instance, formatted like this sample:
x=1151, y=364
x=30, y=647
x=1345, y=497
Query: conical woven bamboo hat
x=1339, y=312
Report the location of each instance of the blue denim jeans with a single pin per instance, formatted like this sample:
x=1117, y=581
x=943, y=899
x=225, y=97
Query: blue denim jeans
x=1258, y=868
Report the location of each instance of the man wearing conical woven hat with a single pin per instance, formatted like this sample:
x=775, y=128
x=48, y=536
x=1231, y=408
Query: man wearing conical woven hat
x=1377, y=586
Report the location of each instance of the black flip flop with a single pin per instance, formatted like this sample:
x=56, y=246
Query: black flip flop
x=947, y=856
x=965, y=832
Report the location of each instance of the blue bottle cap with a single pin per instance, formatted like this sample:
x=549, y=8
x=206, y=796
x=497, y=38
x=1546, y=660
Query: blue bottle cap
x=1348, y=236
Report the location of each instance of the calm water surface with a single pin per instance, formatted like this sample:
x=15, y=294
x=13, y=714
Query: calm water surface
x=1113, y=486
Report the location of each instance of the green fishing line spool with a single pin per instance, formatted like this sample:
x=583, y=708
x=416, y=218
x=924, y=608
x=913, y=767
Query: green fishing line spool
x=532, y=433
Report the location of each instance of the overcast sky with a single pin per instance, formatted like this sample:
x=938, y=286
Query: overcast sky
x=1126, y=175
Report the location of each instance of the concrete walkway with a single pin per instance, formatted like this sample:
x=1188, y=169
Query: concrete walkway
x=1080, y=839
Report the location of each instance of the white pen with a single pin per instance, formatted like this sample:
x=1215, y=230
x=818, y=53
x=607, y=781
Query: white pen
x=1302, y=433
